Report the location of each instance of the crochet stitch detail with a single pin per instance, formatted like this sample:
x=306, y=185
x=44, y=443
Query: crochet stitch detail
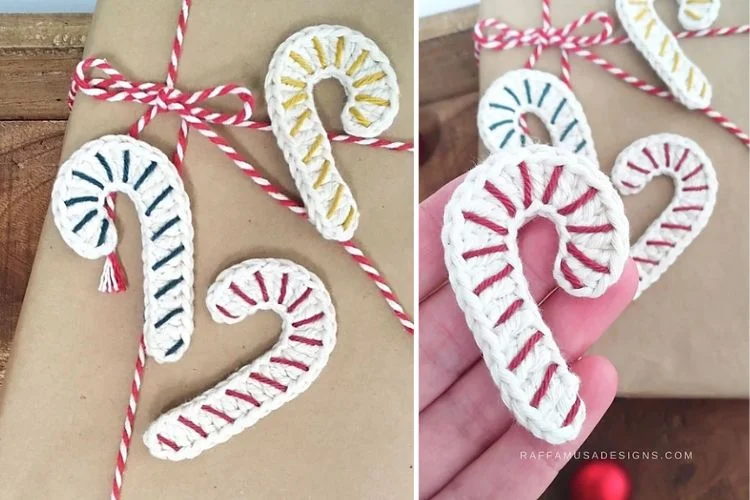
x=308, y=336
x=662, y=50
x=120, y=163
x=481, y=225
x=305, y=58
x=693, y=202
x=698, y=14
x=546, y=96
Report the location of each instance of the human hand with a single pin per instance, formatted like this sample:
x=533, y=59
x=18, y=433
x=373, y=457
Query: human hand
x=469, y=445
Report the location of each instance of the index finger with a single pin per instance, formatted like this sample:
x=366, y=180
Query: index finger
x=432, y=272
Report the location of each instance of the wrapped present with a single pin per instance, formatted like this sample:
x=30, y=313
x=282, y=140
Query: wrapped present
x=686, y=333
x=66, y=395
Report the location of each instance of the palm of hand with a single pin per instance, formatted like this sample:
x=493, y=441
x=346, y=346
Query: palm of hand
x=469, y=445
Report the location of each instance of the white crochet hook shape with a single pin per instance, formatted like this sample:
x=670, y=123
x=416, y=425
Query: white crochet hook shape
x=662, y=50
x=695, y=188
x=698, y=14
x=481, y=224
x=305, y=58
x=523, y=91
x=119, y=163
x=307, y=339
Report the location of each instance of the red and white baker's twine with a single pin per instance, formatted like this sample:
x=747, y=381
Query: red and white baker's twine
x=127, y=428
x=163, y=97
x=505, y=37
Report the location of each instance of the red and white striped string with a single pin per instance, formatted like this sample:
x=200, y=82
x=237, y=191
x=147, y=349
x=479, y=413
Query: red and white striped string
x=127, y=428
x=505, y=37
x=164, y=97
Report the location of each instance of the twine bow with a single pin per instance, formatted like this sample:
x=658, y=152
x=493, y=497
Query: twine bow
x=506, y=37
x=192, y=109
x=493, y=34
x=160, y=98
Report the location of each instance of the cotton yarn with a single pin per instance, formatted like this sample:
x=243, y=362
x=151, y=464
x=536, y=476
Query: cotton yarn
x=546, y=96
x=696, y=186
x=481, y=225
x=662, y=50
x=120, y=163
x=305, y=58
x=698, y=14
x=281, y=374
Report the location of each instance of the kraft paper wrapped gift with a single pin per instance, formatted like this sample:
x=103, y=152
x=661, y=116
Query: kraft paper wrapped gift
x=64, y=400
x=687, y=335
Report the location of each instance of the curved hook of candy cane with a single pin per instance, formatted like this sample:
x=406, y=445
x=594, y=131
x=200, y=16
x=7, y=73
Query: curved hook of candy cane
x=686, y=215
x=281, y=374
x=481, y=225
x=523, y=91
x=662, y=50
x=305, y=58
x=698, y=14
x=119, y=163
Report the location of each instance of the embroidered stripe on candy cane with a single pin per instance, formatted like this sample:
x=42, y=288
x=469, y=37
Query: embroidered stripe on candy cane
x=486, y=212
x=546, y=96
x=279, y=375
x=119, y=163
x=304, y=59
x=698, y=14
x=695, y=188
x=661, y=49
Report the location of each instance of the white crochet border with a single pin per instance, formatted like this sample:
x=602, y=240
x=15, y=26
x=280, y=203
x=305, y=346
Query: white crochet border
x=228, y=305
x=315, y=46
x=165, y=218
x=532, y=91
x=482, y=301
x=665, y=152
x=658, y=45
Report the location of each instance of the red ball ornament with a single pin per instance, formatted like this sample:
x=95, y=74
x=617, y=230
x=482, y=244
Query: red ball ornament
x=600, y=480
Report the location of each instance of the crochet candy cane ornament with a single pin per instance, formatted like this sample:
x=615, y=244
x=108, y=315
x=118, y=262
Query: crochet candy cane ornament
x=687, y=214
x=523, y=91
x=661, y=49
x=305, y=58
x=282, y=373
x=481, y=224
x=518, y=92
x=119, y=163
x=165, y=97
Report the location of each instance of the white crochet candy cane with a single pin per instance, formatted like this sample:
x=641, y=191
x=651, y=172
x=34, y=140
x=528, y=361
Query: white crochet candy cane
x=698, y=14
x=659, y=46
x=480, y=229
x=119, y=163
x=304, y=59
x=307, y=338
x=691, y=206
x=543, y=94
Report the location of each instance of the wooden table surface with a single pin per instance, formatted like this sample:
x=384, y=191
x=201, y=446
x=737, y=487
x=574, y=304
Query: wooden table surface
x=713, y=432
x=37, y=55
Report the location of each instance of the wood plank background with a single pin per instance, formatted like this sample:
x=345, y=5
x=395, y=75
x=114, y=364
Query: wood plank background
x=37, y=55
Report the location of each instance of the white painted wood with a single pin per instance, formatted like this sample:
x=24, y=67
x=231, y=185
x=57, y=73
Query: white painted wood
x=432, y=7
x=46, y=6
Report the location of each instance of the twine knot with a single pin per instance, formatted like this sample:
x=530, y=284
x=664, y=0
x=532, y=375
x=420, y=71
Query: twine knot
x=494, y=34
x=160, y=97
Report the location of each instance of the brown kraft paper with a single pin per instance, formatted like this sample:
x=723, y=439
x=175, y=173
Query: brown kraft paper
x=687, y=335
x=350, y=434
